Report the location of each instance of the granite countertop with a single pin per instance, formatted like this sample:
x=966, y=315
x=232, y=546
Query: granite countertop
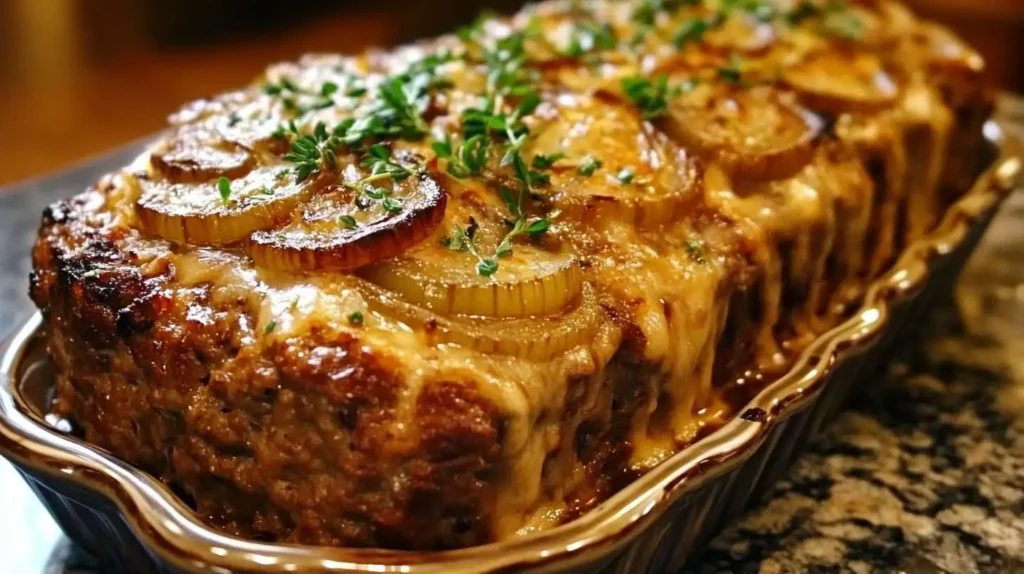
x=924, y=472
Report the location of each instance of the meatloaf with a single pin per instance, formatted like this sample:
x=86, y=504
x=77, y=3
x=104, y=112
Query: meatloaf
x=464, y=290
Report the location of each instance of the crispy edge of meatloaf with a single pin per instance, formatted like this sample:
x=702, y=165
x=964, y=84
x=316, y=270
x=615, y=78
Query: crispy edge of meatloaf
x=157, y=374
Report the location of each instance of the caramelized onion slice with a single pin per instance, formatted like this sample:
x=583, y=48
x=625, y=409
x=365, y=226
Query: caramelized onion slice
x=332, y=233
x=839, y=81
x=642, y=178
x=198, y=213
x=193, y=155
x=532, y=338
x=754, y=133
x=227, y=136
x=530, y=282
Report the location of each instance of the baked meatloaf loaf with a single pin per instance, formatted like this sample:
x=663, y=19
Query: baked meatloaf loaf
x=464, y=290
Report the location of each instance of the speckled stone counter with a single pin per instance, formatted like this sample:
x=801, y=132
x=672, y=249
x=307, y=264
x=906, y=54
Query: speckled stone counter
x=924, y=472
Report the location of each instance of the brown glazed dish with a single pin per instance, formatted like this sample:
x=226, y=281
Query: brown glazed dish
x=520, y=288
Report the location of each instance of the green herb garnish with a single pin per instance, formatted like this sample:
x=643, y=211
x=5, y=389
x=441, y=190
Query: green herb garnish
x=355, y=318
x=510, y=96
x=464, y=239
x=695, y=249
x=538, y=227
x=589, y=165
x=313, y=152
x=757, y=8
x=587, y=38
x=282, y=86
x=521, y=225
x=298, y=100
x=328, y=89
x=545, y=161
x=803, y=11
x=487, y=266
x=690, y=31
x=468, y=159
x=651, y=97
x=270, y=327
x=646, y=11
x=626, y=175
x=732, y=72
x=348, y=221
x=224, y=187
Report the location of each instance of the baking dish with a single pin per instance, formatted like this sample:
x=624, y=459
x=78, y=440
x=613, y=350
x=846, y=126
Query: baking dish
x=132, y=522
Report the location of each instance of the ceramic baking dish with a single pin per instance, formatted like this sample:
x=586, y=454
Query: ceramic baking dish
x=131, y=522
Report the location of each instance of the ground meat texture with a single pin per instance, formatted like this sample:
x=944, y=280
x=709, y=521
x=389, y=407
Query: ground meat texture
x=267, y=443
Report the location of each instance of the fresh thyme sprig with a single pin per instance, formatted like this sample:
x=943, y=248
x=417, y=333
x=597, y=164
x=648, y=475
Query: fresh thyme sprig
x=299, y=100
x=545, y=161
x=224, y=188
x=400, y=103
x=464, y=239
x=646, y=11
x=510, y=97
x=469, y=158
x=588, y=166
x=348, y=221
x=732, y=72
x=395, y=112
x=534, y=227
x=382, y=167
x=590, y=37
x=649, y=96
x=691, y=30
x=311, y=152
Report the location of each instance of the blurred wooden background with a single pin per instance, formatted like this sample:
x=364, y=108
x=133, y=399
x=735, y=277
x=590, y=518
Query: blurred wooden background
x=78, y=77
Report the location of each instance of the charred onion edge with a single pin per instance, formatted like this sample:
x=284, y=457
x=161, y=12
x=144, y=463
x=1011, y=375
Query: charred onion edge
x=190, y=171
x=350, y=249
x=224, y=227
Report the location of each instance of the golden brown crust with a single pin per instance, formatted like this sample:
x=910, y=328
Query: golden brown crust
x=159, y=374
